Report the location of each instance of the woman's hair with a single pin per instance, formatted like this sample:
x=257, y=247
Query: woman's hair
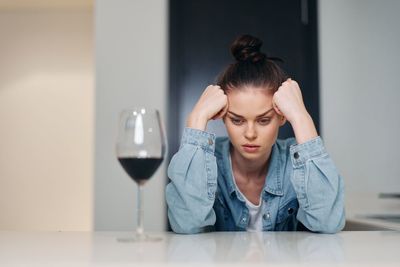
x=252, y=67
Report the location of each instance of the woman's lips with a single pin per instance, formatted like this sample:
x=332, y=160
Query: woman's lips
x=250, y=148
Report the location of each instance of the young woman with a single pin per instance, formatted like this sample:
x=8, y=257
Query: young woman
x=252, y=180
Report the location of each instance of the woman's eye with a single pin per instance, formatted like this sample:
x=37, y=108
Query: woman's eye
x=236, y=121
x=264, y=121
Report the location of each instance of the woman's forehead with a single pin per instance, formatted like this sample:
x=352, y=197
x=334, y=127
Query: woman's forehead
x=249, y=103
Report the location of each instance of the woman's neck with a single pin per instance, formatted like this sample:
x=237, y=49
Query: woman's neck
x=250, y=169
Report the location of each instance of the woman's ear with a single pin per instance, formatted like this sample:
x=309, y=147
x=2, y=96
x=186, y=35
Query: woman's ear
x=282, y=120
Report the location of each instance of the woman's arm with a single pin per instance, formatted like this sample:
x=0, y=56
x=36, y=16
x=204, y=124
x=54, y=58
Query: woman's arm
x=288, y=102
x=318, y=185
x=190, y=194
x=193, y=169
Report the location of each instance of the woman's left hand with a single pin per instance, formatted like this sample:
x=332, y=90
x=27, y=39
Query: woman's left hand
x=288, y=101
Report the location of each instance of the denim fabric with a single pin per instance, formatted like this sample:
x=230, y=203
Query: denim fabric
x=303, y=190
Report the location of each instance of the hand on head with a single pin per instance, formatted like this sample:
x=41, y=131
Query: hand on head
x=212, y=104
x=288, y=101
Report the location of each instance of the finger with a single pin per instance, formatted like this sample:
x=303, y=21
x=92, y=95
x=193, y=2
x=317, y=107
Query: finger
x=212, y=87
x=283, y=84
x=221, y=113
x=225, y=110
x=277, y=110
x=216, y=116
x=288, y=80
x=283, y=118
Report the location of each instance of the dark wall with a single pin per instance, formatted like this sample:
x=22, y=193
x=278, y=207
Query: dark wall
x=200, y=36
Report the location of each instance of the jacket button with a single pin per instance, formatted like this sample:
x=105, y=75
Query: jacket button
x=296, y=155
x=290, y=210
x=266, y=216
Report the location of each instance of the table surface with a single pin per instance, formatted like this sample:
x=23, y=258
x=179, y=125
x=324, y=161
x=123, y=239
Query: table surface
x=371, y=248
x=360, y=208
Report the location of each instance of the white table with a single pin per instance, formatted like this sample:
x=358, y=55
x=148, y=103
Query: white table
x=360, y=207
x=211, y=249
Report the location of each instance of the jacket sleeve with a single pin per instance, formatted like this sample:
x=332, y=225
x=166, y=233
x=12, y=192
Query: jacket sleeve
x=191, y=192
x=319, y=187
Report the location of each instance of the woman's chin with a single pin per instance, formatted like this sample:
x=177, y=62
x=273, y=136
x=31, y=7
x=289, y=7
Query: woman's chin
x=253, y=155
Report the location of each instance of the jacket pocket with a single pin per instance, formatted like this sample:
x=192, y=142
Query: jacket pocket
x=224, y=220
x=286, y=218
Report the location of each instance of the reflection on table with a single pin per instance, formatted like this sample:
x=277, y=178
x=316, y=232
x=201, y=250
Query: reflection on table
x=239, y=248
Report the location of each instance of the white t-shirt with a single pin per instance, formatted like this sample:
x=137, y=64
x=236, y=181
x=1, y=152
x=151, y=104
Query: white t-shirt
x=255, y=212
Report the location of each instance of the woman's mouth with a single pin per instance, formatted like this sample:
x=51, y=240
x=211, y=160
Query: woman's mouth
x=250, y=148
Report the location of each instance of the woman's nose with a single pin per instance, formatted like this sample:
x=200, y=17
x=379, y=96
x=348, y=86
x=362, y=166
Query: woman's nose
x=250, y=132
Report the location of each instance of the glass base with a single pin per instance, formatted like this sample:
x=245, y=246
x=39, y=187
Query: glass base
x=139, y=238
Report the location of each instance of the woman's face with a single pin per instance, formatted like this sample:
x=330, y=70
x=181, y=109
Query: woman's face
x=251, y=122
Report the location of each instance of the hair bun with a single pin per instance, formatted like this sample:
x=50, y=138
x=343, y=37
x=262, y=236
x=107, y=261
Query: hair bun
x=247, y=48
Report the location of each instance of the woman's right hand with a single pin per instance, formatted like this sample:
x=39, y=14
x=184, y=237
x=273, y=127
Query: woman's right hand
x=212, y=104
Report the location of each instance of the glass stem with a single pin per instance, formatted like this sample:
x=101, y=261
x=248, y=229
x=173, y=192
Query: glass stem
x=139, y=228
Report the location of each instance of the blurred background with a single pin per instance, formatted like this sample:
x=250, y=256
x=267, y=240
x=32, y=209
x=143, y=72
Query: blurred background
x=67, y=68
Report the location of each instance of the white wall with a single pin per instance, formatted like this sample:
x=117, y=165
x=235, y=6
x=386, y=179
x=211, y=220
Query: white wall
x=359, y=44
x=131, y=53
x=46, y=115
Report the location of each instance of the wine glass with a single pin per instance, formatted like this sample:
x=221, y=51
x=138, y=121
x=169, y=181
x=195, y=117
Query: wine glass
x=140, y=150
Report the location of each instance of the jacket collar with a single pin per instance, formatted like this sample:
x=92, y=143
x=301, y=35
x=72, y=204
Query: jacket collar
x=273, y=181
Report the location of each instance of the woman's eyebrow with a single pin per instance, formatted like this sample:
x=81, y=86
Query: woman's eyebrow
x=263, y=114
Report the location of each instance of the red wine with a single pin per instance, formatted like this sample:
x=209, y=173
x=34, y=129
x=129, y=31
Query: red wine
x=140, y=169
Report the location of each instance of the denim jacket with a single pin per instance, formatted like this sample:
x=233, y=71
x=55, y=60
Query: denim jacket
x=302, y=191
